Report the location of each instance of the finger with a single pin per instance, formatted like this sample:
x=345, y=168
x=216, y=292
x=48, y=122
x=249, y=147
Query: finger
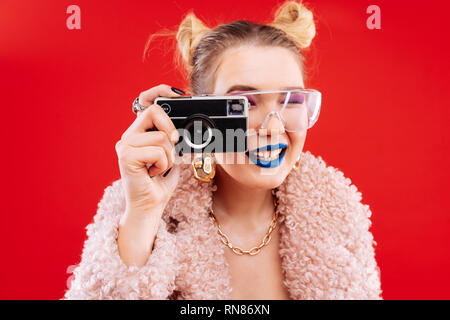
x=153, y=117
x=153, y=138
x=146, y=98
x=134, y=159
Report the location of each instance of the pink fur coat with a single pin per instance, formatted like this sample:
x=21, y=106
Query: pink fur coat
x=326, y=248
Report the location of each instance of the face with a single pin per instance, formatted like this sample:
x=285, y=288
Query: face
x=262, y=68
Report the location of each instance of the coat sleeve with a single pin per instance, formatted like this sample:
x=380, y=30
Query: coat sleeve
x=101, y=274
x=359, y=270
x=348, y=241
x=364, y=278
x=337, y=247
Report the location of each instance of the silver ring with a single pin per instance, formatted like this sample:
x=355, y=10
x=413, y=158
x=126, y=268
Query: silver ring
x=136, y=106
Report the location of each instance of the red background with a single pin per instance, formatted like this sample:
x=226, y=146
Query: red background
x=66, y=97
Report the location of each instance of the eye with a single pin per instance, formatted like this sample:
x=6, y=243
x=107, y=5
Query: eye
x=295, y=99
x=251, y=101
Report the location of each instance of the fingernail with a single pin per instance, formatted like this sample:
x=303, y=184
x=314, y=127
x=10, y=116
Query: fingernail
x=178, y=91
x=167, y=172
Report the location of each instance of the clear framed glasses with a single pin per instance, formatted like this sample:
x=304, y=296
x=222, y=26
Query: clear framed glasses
x=297, y=109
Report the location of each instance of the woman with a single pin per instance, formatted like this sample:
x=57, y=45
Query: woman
x=252, y=231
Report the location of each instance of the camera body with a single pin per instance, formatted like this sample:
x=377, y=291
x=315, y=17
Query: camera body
x=208, y=124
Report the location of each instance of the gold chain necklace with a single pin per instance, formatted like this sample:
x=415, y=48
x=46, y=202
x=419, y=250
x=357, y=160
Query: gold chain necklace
x=226, y=241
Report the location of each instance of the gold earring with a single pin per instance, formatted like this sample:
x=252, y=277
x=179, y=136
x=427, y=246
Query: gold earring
x=204, y=166
x=297, y=163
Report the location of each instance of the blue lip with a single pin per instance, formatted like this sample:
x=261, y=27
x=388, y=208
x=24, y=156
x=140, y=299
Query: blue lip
x=267, y=164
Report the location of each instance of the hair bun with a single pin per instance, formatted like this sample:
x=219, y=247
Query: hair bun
x=297, y=21
x=189, y=33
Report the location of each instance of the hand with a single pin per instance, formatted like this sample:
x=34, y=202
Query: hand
x=145, y=155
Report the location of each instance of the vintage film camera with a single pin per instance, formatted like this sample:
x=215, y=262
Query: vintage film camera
x=208, y=123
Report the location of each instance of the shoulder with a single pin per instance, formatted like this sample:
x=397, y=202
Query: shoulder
x=327, y=223
x=325, y=190
x=320, y=203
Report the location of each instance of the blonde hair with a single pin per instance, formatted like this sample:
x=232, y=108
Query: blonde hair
x=199, y=47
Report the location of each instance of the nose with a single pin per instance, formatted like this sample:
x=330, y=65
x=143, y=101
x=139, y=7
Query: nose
x=272, y=124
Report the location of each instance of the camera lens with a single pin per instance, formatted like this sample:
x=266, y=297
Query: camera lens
x=198, y=132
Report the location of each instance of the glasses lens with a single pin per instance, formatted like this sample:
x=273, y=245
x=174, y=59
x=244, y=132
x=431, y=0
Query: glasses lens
x=293, y=111
x=298, y=110
x=313, y=103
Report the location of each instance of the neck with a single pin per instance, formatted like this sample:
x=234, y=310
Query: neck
x=240, y=204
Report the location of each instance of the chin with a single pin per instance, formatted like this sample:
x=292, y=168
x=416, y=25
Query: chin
x=256, y=177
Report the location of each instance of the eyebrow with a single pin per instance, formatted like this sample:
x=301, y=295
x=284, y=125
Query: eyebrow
x=241, y=87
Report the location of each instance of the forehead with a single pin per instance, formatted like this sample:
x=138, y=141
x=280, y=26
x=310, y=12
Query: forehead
x=258, y=67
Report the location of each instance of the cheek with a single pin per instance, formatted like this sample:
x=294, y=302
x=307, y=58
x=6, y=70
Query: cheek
x=296, y=142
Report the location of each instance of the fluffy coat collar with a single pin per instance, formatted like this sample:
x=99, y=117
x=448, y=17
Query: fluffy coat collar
x=325, y=245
